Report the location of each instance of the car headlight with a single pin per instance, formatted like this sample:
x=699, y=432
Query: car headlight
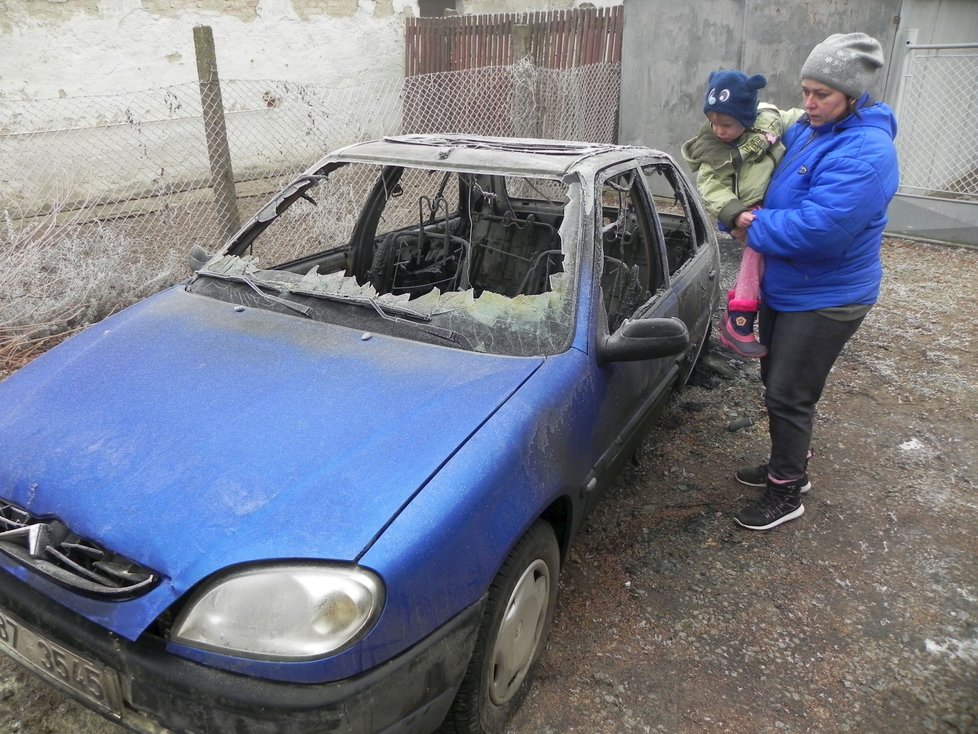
x=282, y=612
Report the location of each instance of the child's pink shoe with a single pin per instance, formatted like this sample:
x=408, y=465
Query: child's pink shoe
x=739, y=337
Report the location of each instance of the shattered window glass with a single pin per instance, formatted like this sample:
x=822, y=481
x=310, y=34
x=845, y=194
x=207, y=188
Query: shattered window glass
x=486, y=259
x=628, y=274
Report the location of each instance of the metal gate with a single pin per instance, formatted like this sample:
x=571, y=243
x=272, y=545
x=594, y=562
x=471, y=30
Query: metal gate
x=937, y=143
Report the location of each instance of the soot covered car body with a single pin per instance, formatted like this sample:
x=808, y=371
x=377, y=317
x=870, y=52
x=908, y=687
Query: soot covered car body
x=326, y=484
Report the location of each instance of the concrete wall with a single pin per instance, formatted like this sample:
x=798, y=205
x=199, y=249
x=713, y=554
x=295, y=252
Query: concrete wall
x=929, y=22
x=51, y=48
x=941, y=21
x=669, y=50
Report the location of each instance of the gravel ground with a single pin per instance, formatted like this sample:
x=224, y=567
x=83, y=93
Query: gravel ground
x=861, y=616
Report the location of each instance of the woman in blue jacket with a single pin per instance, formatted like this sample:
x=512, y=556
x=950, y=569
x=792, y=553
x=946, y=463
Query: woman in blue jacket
x=820, y=231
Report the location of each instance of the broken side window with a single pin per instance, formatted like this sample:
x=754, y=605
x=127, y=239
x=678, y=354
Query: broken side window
x=631, y=271
x=681, y=227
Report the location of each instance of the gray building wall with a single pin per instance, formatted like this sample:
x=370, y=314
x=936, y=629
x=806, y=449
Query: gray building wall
x=669, y=50
x=929, y=22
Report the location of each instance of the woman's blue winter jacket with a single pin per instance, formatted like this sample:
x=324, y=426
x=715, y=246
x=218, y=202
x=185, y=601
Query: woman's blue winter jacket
x=821, y=227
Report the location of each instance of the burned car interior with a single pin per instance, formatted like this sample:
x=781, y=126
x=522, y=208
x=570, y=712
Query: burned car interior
x=482, y=256
x=467, y=231
x=493, y=241
x=488, y=260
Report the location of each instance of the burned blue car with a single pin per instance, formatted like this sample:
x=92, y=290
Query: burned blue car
x=327, y=483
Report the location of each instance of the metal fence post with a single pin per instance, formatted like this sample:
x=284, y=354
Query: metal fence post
x=215, y=130
x=525, y=112
x=905, y=70
x=521, y=42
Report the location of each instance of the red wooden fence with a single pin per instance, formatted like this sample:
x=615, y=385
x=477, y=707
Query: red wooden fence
x=556, y=39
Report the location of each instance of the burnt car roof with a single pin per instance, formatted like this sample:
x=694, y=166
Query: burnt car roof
x=523, y=155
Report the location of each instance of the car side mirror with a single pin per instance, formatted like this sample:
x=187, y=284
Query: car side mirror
x=197, y=257
x=638, y=339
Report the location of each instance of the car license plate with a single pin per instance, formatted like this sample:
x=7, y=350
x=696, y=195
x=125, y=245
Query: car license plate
x=93, y=682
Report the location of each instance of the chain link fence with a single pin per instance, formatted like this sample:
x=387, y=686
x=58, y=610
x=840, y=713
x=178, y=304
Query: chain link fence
x=101, y=198
x=938, y=135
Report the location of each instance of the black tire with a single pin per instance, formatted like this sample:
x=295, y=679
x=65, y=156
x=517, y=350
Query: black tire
x=513, y=634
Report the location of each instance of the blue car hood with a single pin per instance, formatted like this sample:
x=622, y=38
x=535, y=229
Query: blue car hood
x=191, y=436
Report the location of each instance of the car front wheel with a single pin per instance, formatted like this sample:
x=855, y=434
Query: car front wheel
x=513, y=634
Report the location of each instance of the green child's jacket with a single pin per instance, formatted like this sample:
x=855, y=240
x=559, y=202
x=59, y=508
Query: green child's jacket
x=733, y=178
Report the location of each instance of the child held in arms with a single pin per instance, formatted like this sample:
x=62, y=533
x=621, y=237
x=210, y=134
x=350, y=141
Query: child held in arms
x=733, y=156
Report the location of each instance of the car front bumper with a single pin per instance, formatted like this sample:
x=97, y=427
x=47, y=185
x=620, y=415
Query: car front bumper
x=409, y=694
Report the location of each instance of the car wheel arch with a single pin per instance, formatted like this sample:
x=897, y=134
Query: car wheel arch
x=521, y=602
x=559, y=515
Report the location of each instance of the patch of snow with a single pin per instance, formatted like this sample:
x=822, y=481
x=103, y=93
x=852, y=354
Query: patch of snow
x=966, y=650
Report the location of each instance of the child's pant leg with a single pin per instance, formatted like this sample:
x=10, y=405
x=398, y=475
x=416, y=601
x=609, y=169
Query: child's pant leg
x=745, y=295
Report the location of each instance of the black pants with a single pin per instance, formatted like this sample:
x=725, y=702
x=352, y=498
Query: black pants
x=802, y=347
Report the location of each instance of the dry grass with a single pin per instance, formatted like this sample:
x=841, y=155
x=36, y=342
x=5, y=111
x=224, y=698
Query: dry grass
x=57, y=280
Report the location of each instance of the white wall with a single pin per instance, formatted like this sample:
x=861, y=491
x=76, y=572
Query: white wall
x=51, y=48
x=70, y=48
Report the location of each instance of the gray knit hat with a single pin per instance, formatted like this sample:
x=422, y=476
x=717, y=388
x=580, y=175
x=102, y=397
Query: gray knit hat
x=846, y=62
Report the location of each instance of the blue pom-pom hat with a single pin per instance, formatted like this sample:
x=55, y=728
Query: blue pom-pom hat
x=732, y=92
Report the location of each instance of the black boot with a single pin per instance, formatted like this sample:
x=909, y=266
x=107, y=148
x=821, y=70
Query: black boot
x=780, y=503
